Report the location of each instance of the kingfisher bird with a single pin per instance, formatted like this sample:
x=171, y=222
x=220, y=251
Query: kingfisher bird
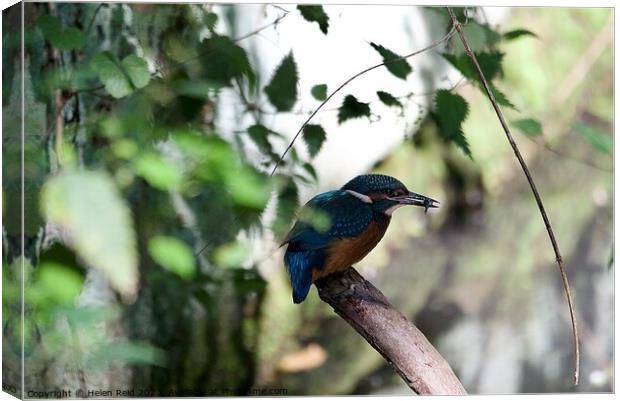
x=359, y=214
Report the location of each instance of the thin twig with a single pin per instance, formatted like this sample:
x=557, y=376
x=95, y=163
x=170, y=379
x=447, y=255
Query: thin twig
x=530, y=180
x=259, y=30
x=290, y=145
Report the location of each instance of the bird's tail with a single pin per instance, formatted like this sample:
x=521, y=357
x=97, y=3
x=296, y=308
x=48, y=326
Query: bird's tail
x=299, y=267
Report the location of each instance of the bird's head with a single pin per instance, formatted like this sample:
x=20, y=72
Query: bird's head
x=386, y=194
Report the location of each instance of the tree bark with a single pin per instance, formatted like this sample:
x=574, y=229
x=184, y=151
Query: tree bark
x=388, y=331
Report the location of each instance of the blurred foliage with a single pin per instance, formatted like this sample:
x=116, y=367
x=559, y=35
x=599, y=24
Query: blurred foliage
x=528, y=126
x=63, y=39
x=174, y=255
x=96, y=223
x=121, y=78
x=133, y=189
x=600, y=140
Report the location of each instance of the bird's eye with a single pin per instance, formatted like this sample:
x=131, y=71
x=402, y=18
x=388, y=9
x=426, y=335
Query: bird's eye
x=393, y=193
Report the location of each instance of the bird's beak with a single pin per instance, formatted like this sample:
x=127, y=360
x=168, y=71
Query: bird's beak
x=417, y=200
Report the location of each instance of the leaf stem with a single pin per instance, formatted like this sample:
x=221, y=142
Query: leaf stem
x=530, y=180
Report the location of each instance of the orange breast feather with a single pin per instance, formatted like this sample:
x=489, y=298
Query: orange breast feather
x=347, y=251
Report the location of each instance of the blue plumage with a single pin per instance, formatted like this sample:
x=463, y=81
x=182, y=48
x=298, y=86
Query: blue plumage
x=358, y=215
x=299, y=267
x=307, y=247
x=348, y=216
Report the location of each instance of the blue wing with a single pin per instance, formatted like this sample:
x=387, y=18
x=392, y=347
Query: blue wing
x=307, y=246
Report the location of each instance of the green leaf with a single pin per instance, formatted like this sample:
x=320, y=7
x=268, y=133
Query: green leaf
x=260, y=135
x=476, y=37
x=89, y=211
x=462, y=63
x=71, y=38
x=314, y=135
x=157, y=171
x=111, y=75
x=492, y=36
x=352, y=108
x=174, y=255
x=388, y=99
x=501, y=98
x=58, y=283
x=517, y=33
x=121, y=79
x=597, y=138
x=450, y=112
x=315, y=14
x=248, y=187
x=63, y=39
x=231, y=255
x=49, y=25
x=528, y=126
x=224, y=60
x=282, y=90
x=490, y=63
x=137, y=69
x=210, y=20
x=400, y=68
x=310, y=170
x=319, y=92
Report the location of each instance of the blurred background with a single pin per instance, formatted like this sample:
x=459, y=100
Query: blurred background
x=152, y=223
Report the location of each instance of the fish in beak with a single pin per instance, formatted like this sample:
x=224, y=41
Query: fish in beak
x=417, y=200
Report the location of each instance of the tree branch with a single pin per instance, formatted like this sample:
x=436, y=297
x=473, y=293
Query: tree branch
x=530, y=180
x=388, y=331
